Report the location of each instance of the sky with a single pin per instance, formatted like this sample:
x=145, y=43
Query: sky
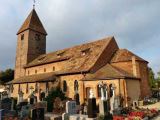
x=134, y=24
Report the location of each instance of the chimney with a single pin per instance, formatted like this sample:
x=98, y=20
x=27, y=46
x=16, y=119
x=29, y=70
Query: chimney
x=134, y=66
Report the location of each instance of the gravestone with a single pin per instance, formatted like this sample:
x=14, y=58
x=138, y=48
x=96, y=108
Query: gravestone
x=91, y=108
x=116, y=103
x=32, y=99
x=65, y=116
x=1, y=114
x=14, y=103
x=42, y=104
x=71, y=107
x=42, y=96
x=103, y=107
x=20, y=105
x=4, y=95
x=57, y=105
x=20, y=96
x=37, y=114
x=76, y=97
x=6, y=104
x=135, y=103
x=25, y=110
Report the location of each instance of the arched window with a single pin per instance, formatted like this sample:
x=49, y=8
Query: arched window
x=76, y=85
x=19, y=88
x=98, y=90
x=35, y=71
x=53, y=68
x=64, y=86
x=11, y=88
x=44, y=69
x=27, y=89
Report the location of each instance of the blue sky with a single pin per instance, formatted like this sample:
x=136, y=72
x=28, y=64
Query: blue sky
x=134, y=23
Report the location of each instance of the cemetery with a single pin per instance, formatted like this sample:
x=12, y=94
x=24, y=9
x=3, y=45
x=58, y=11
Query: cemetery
x=56, y=106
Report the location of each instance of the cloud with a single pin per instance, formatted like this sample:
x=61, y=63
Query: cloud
x=135, y=25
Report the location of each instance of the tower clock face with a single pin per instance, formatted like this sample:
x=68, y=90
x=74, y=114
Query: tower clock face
x=37, y=37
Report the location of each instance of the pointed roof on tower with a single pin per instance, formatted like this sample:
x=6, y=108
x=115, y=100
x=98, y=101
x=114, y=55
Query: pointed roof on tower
x=32, y=22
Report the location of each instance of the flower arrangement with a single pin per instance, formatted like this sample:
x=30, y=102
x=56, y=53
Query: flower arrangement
x=137, y=114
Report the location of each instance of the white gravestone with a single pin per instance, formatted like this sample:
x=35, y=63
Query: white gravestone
x=112, y=100
x=71, y=107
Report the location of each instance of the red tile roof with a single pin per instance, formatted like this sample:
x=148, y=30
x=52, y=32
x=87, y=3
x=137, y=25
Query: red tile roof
x=123, y=55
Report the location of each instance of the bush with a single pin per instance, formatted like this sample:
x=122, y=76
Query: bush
x=57, y=92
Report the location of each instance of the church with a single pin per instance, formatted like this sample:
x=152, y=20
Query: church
x=78, y=69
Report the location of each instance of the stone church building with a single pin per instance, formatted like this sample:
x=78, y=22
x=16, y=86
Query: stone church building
x=76, y=69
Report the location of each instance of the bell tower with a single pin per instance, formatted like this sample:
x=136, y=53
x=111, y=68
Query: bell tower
x=31, y=42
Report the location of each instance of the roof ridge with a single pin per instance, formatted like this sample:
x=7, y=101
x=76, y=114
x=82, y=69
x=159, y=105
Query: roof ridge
x=94, y=41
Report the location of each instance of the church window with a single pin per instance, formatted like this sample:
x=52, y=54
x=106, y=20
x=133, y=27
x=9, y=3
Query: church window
x=98, y=90
x=11, y=88
x=44, y=69
x=22, y=37
x=64, y=86
x=59, y=54
x=28, y=72
x=76, y=85
x=19, y=88
x=37, y=37
x=27, y=88
x=35, y=71
x=85, y=51
x=53, y=68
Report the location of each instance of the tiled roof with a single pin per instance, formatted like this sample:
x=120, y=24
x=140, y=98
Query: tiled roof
x=123, y=55
x=34, y=78
x=108, y=72
x=78, y=58
x=32, y=22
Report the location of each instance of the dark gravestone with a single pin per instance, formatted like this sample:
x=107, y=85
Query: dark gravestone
x=1, y=114
x=76, y=97
x=6, y=104
x=31, y=101
x=91, y=110
x=37, y=114
x=14, y=103
x=42, y=96
x=19, y=106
